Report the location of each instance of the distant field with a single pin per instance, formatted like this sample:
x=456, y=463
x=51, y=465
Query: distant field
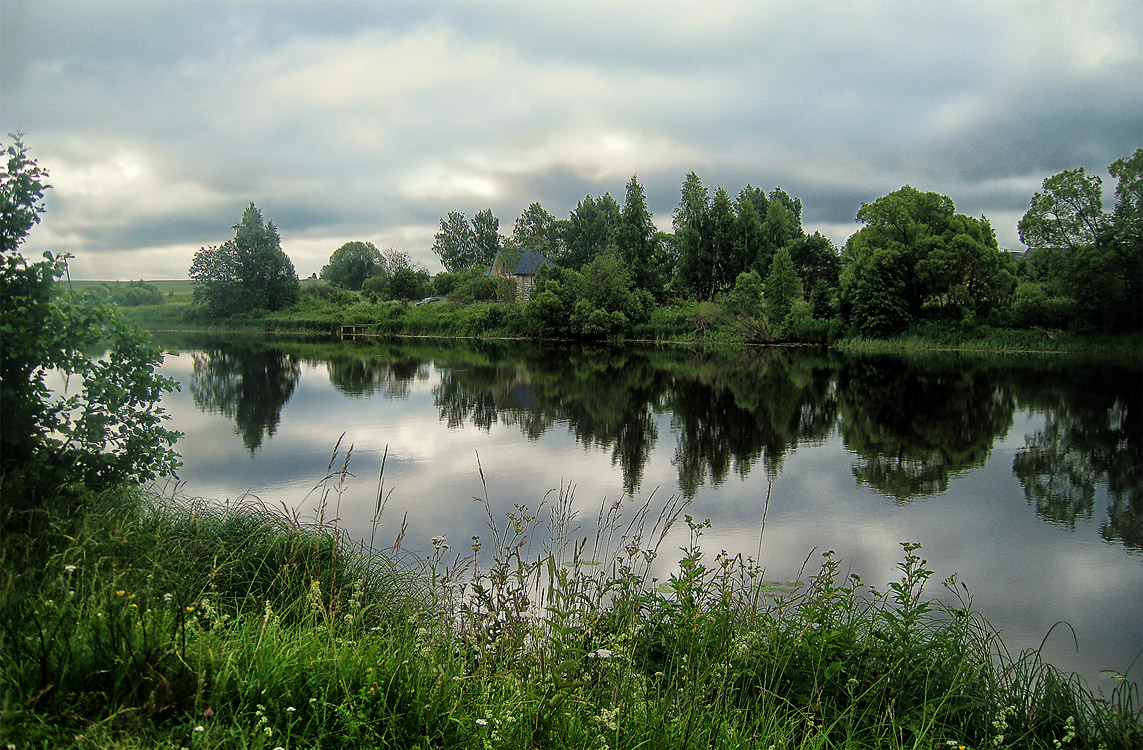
x=166, y=286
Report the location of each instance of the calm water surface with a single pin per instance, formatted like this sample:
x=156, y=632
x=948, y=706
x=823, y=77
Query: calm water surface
x=1022, y=474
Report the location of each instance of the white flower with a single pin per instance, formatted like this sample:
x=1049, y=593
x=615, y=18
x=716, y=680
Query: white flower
x=290, y=710
x=168, y=597
x=69, y=568
x=482, y=722
x=602, y=653
x=200, y=728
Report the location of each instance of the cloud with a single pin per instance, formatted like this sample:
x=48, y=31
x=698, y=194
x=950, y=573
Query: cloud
x=370, y=120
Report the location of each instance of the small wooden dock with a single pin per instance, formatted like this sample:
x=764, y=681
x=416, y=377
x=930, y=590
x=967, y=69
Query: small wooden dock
x=351, y=332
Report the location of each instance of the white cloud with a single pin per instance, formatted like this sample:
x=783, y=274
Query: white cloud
x=367, y=119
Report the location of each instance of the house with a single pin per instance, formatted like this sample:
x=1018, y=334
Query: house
x=521, y=265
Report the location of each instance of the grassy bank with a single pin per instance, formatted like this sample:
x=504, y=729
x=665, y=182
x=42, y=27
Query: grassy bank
x=130, y=621
x=680, y=322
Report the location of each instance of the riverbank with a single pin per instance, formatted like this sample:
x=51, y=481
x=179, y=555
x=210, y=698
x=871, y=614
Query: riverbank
x=686, y=323
x=132, y=620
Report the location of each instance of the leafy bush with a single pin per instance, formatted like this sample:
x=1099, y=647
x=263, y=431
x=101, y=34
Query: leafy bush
x=111, y=427
x=135, y=293
x=475, y=287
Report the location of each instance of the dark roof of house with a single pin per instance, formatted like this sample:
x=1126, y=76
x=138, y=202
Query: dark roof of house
x=528, y=262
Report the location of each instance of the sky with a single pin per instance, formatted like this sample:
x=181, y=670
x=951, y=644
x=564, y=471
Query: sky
x=160, y=121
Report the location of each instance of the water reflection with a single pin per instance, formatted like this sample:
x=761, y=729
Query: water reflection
x=1092, y=437
x=916, y=423
x=249, y=384
x=913, y=423
x=359, y=377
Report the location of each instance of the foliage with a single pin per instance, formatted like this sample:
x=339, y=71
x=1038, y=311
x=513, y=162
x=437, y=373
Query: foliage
x=104, y=427
x=536, y=229
x=1068, y=214
x=135, y=623
x=929, y=256
x=135, y=293
x=1096, y=258
x=635, y=238
x=351, y=264
x=601, y=302
x=590, y=230
x=454, y=243
x=407, y=283
x=873, y=294
x=249, y=272
x=746, y=298
x=816, y=261
x=782, y=290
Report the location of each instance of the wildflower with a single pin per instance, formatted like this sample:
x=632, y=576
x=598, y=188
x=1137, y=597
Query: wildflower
x=167, y=597
x=120, y=592
x=482, y=722
x=602, y=653
x=208, y=713
x=69, y=568
x=290, y=710
x=190, y=609
x=200, y=728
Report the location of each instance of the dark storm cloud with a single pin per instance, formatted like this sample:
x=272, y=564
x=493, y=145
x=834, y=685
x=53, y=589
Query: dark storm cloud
x=161, y=121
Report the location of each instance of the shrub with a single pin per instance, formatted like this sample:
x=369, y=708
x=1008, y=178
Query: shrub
x=135, y=293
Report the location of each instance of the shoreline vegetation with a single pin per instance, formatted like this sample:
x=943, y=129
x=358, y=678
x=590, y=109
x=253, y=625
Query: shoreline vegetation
x=132, y=620
x=322, y=312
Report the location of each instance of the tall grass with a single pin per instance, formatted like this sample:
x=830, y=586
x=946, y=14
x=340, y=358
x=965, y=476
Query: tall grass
x=132, y=620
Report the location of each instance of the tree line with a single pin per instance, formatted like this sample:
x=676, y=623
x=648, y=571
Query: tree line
x=746, y=254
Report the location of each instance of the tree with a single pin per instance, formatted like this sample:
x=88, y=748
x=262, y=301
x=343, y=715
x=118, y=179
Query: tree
x=1068, y=214
x=904, y=224
x=536, y=229
x=408, y=284
x=816, y=261
x=727, y=265
x=108, y=429
x=873, y=294
x=249, y=272
x=782, y=290
x=926, y=255
x=1101, y=255
x=351, y=264
x=486, y=238
x=635, y=237
x=590, y=231
x=455, y=243
x=691, y=222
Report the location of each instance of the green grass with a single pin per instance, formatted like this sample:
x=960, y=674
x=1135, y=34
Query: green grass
x=130, y=620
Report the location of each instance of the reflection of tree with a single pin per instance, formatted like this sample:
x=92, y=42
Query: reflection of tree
x=1093, y=435
x=248, y=385
x=603, y=395
x=1058, y=480
x=738, y=410
x=364, y=376
x=916, y=423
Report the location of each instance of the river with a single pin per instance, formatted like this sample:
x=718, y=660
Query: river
x=1022, y=474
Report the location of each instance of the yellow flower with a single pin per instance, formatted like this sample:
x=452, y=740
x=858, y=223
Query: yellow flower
x=120, y=592
x=190, y=609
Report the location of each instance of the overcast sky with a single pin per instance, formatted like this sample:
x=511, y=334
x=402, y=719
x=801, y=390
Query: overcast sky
x=160, y=121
